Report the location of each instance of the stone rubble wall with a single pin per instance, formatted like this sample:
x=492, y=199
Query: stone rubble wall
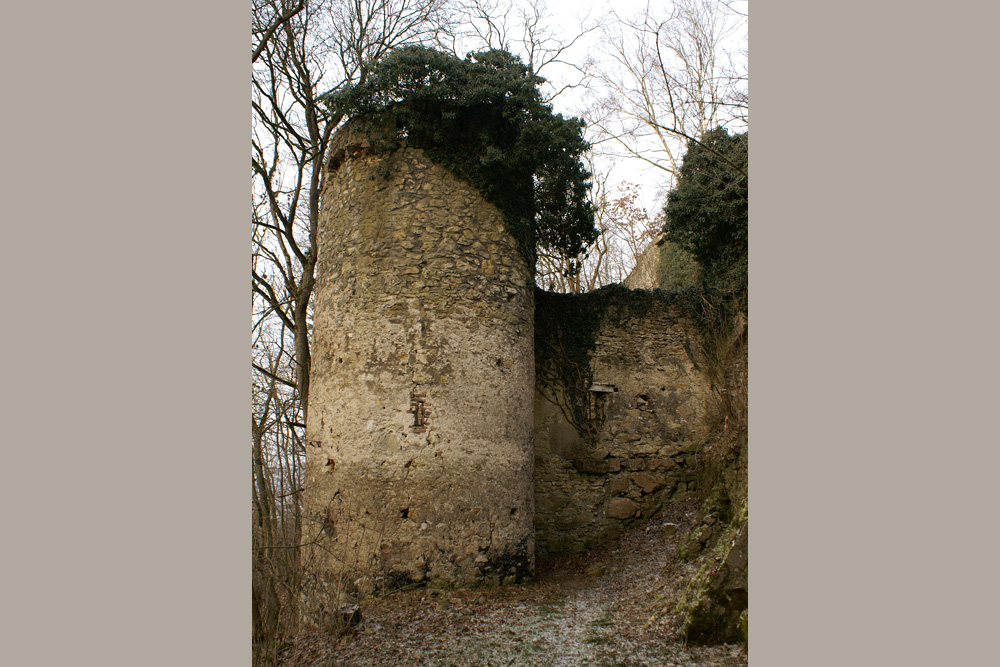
x=436, y=452
x=419, y=437
x=638, y=446
x=644, y=273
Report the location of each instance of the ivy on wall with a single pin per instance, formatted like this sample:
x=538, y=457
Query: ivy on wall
x=484, y=120
x=707, y=213
x=566, y=328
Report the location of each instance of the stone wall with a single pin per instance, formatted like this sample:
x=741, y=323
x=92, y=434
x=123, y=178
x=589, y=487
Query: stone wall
x=437, y=451
x=419, y=437
x=664, y=265
x=644, y=274
x=627, y=445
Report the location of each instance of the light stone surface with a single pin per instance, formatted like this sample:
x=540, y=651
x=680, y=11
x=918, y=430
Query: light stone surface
x=421, y=296
x=433, y=456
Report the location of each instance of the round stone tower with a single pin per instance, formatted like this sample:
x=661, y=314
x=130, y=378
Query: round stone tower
x=420, y=431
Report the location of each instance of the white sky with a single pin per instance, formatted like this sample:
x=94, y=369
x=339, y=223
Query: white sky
x=569, y=13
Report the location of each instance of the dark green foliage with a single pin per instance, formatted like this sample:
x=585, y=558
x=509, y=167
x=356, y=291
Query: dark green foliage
x=565, y=336
x=707, y=211
x=484, y=120
x=677, y=268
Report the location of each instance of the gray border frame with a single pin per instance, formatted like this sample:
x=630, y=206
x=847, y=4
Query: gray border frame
x=873, y=370
x=125, y=240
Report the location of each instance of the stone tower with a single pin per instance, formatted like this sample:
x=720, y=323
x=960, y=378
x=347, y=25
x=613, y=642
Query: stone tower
x=420, y=431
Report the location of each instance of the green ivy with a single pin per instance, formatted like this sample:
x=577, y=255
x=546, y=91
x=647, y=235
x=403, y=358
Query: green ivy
x=484, y=119
x=707, y=213
x=676, y=268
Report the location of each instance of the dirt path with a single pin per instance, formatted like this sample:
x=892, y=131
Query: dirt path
x=610, y=608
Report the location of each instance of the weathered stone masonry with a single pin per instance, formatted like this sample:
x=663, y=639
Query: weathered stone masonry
x=643, y=424
x=419, y=457
x=433, y=456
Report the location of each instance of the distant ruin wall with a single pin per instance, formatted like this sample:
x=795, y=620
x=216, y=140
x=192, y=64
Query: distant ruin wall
x=628, y=447
x=419, y=438
x=663, y=265
x=644, y=273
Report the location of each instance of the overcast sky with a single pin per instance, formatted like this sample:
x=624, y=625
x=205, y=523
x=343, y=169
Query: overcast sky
x=568, y=16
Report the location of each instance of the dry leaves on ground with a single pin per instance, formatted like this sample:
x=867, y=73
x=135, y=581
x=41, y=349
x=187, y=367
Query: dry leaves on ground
x=571, y=615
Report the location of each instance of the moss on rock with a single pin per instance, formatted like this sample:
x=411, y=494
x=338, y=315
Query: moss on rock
x=715, y=603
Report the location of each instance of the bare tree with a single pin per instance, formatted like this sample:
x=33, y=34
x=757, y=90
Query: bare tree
x=547, y=43
x=304, y=49
x=552, y=48
x=630, y=229
x=626, y=229
x=668, y=79
x=326, y=45
x=267, y=17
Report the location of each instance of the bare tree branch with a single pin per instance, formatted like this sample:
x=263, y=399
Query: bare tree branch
x=269, y=32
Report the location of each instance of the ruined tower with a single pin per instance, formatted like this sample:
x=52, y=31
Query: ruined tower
x=420, y=430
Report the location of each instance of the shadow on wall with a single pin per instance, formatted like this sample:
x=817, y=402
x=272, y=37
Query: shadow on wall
x=619, y=417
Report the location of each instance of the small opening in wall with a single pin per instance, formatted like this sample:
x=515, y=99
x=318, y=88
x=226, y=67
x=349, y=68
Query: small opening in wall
x=339, y=360
x=404, y=513
x=598, y=401
x=419, y=412
x=663, y=388
x=336, y=160
x=513, y=511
